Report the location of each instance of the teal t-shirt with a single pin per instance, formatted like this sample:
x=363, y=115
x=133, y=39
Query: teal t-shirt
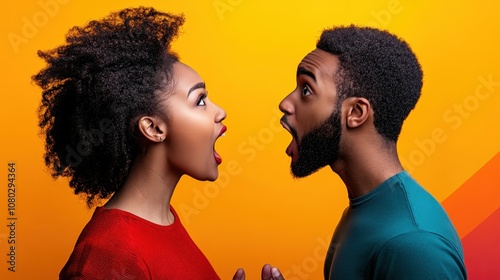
x=397, y=231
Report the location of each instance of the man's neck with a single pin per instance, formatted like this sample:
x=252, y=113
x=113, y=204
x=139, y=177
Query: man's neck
x=367, y=167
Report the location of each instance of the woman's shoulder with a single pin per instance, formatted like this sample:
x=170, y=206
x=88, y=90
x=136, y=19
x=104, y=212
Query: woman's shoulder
x=105, y=247
x=106, y=226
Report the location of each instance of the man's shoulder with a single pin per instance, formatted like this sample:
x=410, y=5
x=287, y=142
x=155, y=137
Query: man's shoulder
x=418, y=242
x=417, y=252
x=427, y=213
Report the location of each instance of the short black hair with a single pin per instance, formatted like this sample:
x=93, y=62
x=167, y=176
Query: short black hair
x=94, y=89
x=378, y=66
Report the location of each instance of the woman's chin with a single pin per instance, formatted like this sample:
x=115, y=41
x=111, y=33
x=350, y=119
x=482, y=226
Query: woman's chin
x=209, y=176
x=213, y=176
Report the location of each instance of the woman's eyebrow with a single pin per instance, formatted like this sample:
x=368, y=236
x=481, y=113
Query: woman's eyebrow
x=196, y=86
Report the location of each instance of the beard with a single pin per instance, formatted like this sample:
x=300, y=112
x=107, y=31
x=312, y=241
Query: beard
x=318, y=148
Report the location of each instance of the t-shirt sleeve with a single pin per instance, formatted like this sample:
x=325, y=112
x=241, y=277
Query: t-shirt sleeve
x=418, y=255
x=91, y=262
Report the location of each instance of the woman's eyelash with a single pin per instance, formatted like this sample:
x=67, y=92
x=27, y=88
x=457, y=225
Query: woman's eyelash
x=201, y=98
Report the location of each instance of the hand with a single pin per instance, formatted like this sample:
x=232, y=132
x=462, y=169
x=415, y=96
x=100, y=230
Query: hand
x=270, y=273
x=239, y=275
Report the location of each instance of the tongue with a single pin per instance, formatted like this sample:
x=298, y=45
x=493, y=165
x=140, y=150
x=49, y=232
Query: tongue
x=291, y=149
x=217, y=157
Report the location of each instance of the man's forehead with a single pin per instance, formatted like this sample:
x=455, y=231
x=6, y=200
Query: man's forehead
x=320, y=62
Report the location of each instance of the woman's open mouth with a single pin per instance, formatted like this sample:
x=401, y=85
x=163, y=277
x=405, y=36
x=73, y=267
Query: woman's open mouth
x=217, y=157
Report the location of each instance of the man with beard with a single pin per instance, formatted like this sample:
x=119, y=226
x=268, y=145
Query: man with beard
x=353, y=93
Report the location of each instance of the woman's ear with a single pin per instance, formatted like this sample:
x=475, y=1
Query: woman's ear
x=152, y=128
x=358, y=111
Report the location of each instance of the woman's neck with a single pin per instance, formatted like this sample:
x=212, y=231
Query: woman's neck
x=148, y=189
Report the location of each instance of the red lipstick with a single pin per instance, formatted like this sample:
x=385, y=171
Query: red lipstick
x=222, y=130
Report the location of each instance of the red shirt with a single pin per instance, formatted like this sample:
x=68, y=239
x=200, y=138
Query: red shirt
x=119, y=245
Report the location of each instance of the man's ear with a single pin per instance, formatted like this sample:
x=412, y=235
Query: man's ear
x=152, y=128
x=358, y=111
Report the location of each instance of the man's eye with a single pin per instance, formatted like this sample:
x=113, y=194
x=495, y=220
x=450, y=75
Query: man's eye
x=306, y=91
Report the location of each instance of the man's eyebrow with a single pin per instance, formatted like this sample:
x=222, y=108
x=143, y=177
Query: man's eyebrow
x=196, y=86
x=303, y=71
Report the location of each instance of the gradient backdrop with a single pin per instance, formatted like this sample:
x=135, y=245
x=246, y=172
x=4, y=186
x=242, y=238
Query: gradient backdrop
x=247, y=52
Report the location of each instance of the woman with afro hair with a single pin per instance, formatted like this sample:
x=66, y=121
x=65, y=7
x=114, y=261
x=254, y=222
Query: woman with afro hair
x=124, y=119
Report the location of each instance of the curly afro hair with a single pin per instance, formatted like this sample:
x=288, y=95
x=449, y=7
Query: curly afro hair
x=378, y=66
x=106, y=76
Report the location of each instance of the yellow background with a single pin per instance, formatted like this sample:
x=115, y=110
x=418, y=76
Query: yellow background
x=247, y=52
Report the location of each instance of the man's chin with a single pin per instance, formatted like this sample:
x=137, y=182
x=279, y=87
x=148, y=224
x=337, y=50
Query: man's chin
x=299, y=171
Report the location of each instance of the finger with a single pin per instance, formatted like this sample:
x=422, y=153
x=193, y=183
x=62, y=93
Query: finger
x=239, y=275
x=276, y=274
x=266, y=272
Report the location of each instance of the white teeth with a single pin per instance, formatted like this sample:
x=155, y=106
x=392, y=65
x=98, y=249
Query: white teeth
x=223, y=134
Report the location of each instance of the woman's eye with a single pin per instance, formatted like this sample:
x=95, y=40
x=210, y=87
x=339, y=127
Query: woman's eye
x=306, y=91
x=201, y=100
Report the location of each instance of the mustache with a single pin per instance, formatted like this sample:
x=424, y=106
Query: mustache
x=292, y=129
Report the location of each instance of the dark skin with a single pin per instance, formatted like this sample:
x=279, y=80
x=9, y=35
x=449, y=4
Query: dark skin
x=365, y=159
x=268, y=273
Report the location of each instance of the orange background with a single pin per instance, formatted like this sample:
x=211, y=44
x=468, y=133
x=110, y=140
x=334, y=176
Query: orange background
x=247, y=52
